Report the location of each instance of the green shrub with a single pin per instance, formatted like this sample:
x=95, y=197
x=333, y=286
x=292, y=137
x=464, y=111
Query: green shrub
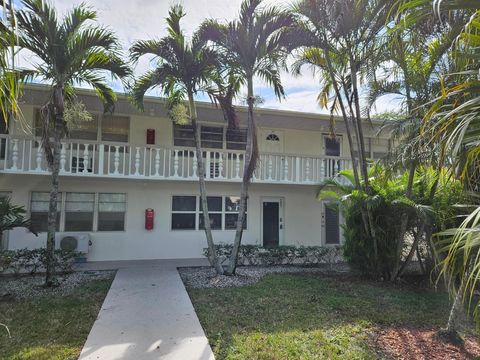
x=281, y=255
x=32, y=261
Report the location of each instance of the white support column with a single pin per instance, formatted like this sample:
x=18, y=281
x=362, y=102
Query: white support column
x=208, y=167
x=307, y=170
x=270, y=167
x=63, y=158
x=298, y=162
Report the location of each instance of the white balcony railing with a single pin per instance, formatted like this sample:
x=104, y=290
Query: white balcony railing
x=93, y=159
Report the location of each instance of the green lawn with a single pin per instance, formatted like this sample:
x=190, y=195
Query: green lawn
x=51, y=327
x=288, y=316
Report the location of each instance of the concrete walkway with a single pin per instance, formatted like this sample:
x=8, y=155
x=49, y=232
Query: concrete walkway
x=147, y=314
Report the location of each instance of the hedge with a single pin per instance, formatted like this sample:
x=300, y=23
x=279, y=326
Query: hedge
x=281, y=255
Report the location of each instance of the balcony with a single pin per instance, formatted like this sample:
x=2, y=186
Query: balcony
x=126, y=161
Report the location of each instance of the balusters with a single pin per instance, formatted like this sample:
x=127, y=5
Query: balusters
x=85, y=159
x=39, y=157
x=195, y=164
x=14, y=155
x=157, y=162
x=270, y=167
x=237, y=166
x=63, y=158
x=116, y=160
x=137, y=161
x=220, y=166
x=285, y=169
x=175, y=163
x=307, y=170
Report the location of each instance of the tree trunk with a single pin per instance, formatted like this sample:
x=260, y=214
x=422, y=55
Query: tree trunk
x=58, y=102
x=248, y=168
x=451, y=332
x=212, y=254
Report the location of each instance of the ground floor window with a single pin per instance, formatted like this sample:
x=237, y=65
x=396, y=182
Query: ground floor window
x=80, y=211
x=187, y=213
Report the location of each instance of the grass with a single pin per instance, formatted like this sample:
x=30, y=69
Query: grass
x=51, y=327
x=292, y=316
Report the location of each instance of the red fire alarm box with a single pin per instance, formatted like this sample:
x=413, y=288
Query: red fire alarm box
x=149, y=217
x=150, y=136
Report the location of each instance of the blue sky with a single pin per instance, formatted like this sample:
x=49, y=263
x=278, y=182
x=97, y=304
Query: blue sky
x=144, y=19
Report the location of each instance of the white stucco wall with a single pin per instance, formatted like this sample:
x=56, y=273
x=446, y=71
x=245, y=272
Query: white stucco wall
x=302, y=216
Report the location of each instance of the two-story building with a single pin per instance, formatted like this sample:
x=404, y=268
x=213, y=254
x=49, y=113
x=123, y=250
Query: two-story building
x=116, y=166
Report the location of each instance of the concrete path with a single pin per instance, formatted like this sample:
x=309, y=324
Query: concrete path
x=147, y=314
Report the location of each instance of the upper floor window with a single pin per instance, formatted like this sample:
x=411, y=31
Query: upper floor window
x=105, y=127
x=212, y=137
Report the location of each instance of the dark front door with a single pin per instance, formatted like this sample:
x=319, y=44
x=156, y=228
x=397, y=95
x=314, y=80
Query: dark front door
x=271, y=233
x=332, y=224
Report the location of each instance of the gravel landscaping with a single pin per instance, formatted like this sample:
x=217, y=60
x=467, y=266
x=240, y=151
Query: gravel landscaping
x=205, y=277
x=26, y=287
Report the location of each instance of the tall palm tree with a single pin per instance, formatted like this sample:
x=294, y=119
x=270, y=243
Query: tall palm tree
x=183, y=70
x=344, y=39
x=255, y=46
x=70, y=52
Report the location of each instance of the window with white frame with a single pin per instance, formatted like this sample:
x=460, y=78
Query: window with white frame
x=212, y=137
x=184, y=212
x=111, y=212
x=39, y=204
x=80, y=211
x=223, y=211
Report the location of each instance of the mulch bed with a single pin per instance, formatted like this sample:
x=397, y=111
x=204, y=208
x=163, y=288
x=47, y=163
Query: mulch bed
x=402, y=343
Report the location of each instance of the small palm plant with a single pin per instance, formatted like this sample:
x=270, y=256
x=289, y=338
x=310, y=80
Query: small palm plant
x=12, y=216
x=70, y=52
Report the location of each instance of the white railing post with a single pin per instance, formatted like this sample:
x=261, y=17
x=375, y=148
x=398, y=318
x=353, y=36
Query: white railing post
x=116, y=160
x=297, y=168
x=137, y=161
x=175, y=163
x=157, y=162
x=237, y=166
x=285, y=169
x=85, y=159
x=101, y=158
x=39, y=157
x=195, y=165
x=307, y=170
x=220, y=166
x=14, y=155
x=270, y=167
x=208, y=168
x=63, y=158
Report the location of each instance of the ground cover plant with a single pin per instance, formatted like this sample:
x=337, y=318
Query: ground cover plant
x=312, y=316
x=50, y=326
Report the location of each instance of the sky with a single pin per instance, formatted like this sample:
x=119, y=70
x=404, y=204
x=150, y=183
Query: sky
x=145, y=19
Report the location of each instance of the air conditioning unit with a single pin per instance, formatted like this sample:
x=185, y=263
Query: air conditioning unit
x=79, y=242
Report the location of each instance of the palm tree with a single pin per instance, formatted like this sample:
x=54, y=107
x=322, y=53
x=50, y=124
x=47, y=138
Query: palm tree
x=254, y=45
x=70, y=52
x=343, y=39
x=12, y=216
x=183, y=70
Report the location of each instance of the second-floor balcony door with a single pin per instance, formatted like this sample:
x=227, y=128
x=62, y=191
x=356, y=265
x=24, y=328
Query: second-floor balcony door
x=332, y=148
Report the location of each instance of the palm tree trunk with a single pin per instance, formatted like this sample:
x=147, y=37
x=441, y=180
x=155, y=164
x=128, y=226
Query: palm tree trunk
x=456, y=312
x=212, y=254
x=58, y=100
x=249, y=167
